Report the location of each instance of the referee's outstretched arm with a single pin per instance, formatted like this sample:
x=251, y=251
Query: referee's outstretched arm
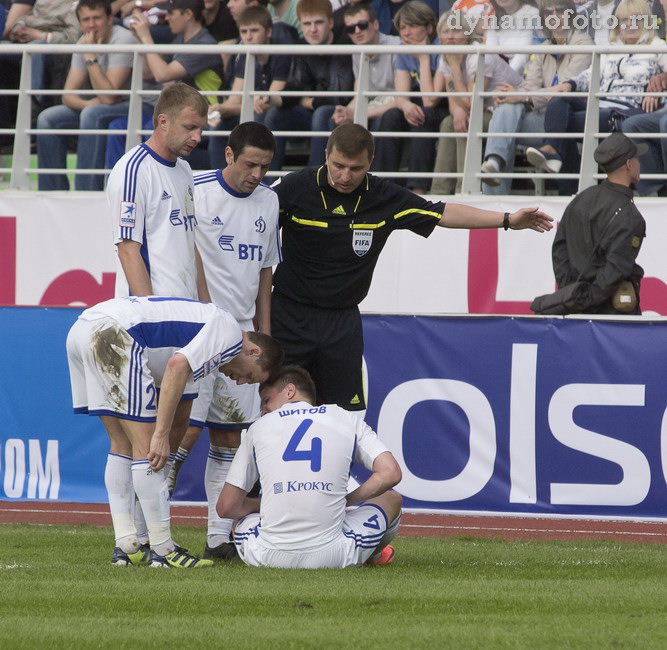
x=457, y=215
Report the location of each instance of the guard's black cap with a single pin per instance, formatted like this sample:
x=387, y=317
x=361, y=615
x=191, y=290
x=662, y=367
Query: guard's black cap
x=615, y=150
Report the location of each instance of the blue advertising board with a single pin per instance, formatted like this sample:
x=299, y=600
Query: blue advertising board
x=494, y=414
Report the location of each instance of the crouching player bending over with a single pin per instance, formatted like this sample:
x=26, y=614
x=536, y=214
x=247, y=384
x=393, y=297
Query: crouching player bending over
x=301, y=454
x=124, y=351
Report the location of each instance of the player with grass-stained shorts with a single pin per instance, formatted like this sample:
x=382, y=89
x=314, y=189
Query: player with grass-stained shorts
x=121, y=354
x=302, y=454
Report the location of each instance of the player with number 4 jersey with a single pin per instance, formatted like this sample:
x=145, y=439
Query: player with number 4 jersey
x=302, y=454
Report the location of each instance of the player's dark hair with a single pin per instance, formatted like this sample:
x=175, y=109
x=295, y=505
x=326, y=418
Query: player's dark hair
x=351, y=140
x=174, y=98
x=296, y=375
x=358, y=7
x=94, y=4
x=272, y=355
x=251, y=134
x=255, y=15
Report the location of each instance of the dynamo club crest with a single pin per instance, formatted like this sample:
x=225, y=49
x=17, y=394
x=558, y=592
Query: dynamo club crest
x=361, y=241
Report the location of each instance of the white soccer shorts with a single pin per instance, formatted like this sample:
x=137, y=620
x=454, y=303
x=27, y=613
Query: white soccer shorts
x=363, y=529
x=111, y=374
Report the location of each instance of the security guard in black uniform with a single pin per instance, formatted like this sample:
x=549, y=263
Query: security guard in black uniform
x=336, y=220
x=602, y=231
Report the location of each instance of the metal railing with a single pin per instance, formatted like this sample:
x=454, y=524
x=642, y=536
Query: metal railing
x=471, y=175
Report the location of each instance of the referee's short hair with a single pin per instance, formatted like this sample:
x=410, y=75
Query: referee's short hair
x=296, y=375
x=251, y=134
x=351, y=140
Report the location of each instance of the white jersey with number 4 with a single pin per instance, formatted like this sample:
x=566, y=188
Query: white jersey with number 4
x=237, y=237
x=302, y=456
x=152, y=203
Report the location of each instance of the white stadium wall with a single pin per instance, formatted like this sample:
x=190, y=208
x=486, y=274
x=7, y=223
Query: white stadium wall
x=55, y=249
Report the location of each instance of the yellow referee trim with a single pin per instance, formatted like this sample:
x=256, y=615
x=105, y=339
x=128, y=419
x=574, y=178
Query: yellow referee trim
x=310, y=222
x=430, y=213
x=368, y=226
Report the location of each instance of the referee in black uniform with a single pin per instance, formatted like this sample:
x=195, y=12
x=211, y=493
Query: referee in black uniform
x=336, y=220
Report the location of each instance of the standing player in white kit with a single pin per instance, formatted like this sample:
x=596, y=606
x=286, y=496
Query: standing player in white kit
x=237, y=237
x=151, y=197
x=301, y=454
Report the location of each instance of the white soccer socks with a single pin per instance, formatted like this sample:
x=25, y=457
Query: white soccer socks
x=118, y=481
x=151, y=489
x=217, y=467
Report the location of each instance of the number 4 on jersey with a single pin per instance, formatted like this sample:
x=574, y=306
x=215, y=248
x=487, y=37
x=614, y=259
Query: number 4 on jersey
x=314, y=454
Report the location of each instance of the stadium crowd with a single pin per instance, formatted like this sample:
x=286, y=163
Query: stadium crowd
x=405, y=23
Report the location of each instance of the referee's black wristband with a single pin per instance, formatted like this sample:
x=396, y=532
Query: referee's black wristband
x=506, y=221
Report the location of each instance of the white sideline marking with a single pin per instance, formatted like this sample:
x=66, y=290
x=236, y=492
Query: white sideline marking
x=538, y=530
x=86, y=512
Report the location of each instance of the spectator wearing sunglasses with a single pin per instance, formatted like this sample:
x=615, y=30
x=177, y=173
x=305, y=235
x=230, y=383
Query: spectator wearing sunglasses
x=339, y=21
x=311, y=72
x=361, y=25
x=526, y=113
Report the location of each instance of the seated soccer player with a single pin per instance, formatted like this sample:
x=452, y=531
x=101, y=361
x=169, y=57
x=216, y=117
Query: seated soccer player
x=301, y=455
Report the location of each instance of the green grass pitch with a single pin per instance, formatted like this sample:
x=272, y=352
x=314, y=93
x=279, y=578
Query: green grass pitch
x=59, y=590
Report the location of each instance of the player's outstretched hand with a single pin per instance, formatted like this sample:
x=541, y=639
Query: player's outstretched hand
x=532, y=218
x=158, y=452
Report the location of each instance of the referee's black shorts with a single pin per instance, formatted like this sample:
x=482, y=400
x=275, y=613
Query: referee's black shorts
x=329, y=343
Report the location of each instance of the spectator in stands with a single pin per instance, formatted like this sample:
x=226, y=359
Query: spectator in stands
x=203, y=71
x=362, y=27
x=86, y=111
x=222, y=26
x=281, y=33
x=416, y=24
x=41, y=21
x=339, y=20
x=619, y=73
x=526, y=113
x=386, y=11
x=513, y=24
x=271, y=73
x=475, y=10
x=285, y=11
x=654, y=161
x=456, y=73
x=311, y=72
x=38, y=22
x=185, y=18
x=599, y=18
